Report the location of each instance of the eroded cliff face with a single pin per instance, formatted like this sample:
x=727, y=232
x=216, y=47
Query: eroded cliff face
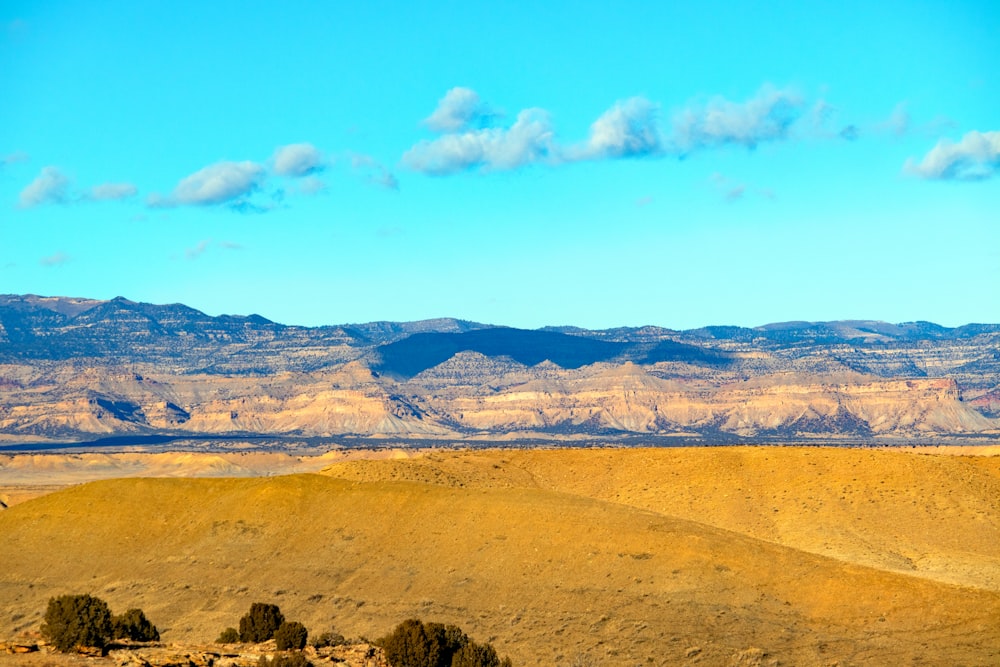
x=79, y=369
x=596, y=399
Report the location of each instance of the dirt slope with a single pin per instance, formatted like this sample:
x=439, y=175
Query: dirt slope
x=934, y=516
x=549, y=555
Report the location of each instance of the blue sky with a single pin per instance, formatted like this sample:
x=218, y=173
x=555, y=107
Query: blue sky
x=596, y=164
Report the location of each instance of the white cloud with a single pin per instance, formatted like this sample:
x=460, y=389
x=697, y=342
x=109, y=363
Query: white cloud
x=528, y=140
x=457, y=110
x=765, y=117
x=107, y=191
x=298, y=160
x=975, y=157
x=48, y=188
x=57, y=259
x=628, y=129
x=222, y=182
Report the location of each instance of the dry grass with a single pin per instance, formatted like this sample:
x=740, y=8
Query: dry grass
x=616, y=557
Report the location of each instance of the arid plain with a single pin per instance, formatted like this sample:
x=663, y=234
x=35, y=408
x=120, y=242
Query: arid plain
x=610, y=556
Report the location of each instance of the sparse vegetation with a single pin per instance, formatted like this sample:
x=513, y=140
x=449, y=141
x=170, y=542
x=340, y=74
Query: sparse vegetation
x=134, y=625
x=77, y=620
x=291, y=636
x=260, y=623
x=416, y=644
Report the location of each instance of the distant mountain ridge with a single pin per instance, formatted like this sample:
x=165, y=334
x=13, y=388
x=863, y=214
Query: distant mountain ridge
x=77, y=368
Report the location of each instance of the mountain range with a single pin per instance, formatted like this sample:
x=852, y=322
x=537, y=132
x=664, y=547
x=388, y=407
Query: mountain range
x=76, y=369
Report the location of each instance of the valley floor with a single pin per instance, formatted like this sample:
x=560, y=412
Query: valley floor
x=715, y=556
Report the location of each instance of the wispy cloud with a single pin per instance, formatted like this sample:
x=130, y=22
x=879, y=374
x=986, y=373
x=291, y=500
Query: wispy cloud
x=628, y=129
x=375, y=171
x=49, y=187
x=530, y=139
x=58, y=259
x=727, y=188
x=975, y=157
x=219, y=183
x=765, y=117
x=14, y=158
x=298, y=160
x=732, y=191
x=198, y=250
x=820, y=113
x=312, y=185
x=850, y=133
x=459, y=109
x=111, y=191
x=204, y=245
x=898, y=122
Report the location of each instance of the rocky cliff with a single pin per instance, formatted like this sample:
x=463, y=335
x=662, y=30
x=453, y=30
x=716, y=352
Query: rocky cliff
x=76, y=369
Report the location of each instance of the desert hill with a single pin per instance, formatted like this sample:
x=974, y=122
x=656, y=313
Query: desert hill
x=629, y=556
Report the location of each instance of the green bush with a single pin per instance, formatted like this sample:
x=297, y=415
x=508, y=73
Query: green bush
x=134, y=625
x=229, y=636
x=260, y=623
x=291, y=636
x=415, y=644
x=77, y=620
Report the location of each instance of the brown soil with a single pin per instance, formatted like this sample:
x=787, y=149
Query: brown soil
x=713, y=556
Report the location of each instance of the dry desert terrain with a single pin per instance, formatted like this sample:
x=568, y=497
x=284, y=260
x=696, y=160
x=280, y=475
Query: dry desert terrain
x=711, y=556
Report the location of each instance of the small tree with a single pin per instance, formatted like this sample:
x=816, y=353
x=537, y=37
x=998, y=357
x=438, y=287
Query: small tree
x=229, y=636
x=77, y=620
x=134, y=625
x=410, y=645
x=260, y=623
x=291, y=636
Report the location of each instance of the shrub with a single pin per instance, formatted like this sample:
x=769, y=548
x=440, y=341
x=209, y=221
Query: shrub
x=260, y=623
x=291, y=636
x=411, y=645
x=475, y=655
x=134, y=625
x=415, y=644
x=328, y=639
x=228, y=636
x=77, y=620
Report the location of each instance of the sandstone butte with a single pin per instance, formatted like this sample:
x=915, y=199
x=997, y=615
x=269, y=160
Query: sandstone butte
x=710, y=556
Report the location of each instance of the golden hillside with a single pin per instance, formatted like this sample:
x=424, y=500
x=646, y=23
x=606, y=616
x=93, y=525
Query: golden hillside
x=630, y=557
